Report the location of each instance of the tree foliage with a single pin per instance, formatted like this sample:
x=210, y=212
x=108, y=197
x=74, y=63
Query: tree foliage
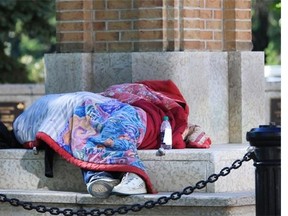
x=266, y=29
x=27, y=32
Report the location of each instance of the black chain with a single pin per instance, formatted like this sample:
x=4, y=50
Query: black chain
x=135, y=207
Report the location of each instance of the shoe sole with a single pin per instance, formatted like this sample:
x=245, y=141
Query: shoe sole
x=128, y=193
x=101, y=188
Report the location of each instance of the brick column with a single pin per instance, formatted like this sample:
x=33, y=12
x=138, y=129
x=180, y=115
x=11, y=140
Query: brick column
x=237, y=25
x=153, y=25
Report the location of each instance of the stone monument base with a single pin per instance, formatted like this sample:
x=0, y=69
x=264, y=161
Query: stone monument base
x=224, y=90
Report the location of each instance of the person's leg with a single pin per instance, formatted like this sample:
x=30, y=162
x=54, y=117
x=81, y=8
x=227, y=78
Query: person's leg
x=5, y=138
x=100, y=184
x=90, y=175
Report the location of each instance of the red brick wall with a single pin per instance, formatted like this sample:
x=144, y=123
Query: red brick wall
x=153, y=25
x=237, y=26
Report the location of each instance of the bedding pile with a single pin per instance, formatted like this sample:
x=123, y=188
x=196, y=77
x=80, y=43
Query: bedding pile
x=103, y=131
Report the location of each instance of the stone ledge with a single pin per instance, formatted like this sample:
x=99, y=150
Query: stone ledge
x=22, y=89
x=224, y=204
x=273, y=87
x=191, y=154
x=24, y=93
x=194, y=199
x=172, y=172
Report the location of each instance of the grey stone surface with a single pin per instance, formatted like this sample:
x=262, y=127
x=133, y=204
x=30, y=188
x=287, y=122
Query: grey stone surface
x=246, y=93
x=21, y=169
x=111, y=68
x=26, y=93
x=227, y=204
x=253, y=87
x=68, y=72
x=22, y=177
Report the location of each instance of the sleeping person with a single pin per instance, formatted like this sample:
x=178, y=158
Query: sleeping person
x=101, y=132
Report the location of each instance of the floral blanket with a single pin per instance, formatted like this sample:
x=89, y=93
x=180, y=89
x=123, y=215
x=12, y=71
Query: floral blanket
x=102, y=131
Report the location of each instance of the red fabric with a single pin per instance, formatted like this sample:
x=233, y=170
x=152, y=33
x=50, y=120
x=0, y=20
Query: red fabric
x=197, y=138
x=169, y=89
x=202, y=141
x=178, y=115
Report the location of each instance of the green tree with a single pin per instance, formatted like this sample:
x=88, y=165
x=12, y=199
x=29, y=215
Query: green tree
x=266, y=29
x=27, y=31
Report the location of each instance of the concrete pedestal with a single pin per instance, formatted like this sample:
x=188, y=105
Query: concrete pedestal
x=224, y=90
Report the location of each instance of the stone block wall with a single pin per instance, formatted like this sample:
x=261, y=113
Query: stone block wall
x=224, y=90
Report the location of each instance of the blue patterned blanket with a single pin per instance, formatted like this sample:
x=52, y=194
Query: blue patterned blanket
x=87, y=129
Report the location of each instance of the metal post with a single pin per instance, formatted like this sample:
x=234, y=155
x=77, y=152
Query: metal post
x=266, y=141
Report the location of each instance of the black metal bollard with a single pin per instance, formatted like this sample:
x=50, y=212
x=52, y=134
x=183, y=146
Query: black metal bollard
x=266, y=141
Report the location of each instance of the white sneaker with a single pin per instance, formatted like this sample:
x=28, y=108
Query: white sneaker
x=102, y=187
x=130, y=184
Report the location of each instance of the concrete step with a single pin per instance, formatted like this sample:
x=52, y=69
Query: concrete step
x=21, y=169
x=198, y=204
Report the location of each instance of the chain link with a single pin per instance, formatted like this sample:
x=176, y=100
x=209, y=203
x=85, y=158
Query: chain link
x=135, y=207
